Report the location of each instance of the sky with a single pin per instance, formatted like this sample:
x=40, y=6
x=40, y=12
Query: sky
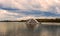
x=25, y=9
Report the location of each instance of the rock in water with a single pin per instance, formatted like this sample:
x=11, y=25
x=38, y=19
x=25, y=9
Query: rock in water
x=31, y=23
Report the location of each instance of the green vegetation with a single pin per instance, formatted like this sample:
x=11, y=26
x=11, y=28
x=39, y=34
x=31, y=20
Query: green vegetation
x=48, y=20
x=39, y=20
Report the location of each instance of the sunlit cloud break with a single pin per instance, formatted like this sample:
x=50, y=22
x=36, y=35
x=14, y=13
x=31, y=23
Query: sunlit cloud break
x=18, y=9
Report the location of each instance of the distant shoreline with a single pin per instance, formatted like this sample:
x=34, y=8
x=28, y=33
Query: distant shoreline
x=39, y=20
x=24, y=21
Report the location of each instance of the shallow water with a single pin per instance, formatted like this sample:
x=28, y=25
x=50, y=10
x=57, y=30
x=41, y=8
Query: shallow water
x=20, y=29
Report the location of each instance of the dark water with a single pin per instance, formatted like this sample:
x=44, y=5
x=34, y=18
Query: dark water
x=20, y=29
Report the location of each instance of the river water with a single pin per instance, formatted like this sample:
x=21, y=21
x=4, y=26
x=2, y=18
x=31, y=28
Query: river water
x=20, y=29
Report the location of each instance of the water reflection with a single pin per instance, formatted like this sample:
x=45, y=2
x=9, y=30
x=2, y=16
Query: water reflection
x=20, y=29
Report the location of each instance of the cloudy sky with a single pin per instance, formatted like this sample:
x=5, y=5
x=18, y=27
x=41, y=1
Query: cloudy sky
x=24, y=9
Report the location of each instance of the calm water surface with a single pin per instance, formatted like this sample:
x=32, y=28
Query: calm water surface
x=20, y=29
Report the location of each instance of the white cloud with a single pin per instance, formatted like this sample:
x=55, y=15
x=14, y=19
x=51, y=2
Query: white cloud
x=42, y=5
x=7, y=12
x=41, y=17
x=57, y=10
x=25, y=17
x=8, y=15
